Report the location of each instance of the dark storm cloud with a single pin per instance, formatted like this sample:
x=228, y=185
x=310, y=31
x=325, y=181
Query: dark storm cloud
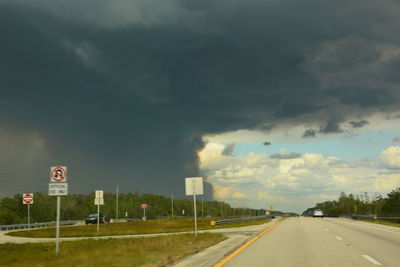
x=123, y=91
x=309, y=133
x=267, y=143
x=332, y=126
x=291, y=155
x=228, y=150
x=358, y=124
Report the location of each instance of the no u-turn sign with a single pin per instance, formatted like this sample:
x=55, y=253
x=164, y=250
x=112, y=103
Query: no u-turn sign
x=58, y=174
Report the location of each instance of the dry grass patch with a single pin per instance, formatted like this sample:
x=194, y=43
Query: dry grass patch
x=152, y=251
x=132, y=228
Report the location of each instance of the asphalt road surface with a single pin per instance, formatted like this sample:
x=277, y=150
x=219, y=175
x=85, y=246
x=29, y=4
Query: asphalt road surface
x=323, y=242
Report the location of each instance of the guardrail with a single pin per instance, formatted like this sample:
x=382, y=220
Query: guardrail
x=243, y=219
x=134, y=220
x=34, y=225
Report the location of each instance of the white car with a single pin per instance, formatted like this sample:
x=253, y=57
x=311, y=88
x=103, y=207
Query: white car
x=318, y=213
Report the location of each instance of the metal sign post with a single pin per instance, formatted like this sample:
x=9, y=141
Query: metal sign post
x=58, y=187
x=29, y=218
x=194, y=186
x=98, y=216
x=58, y=226
x=202, y=206
x=144, y=206
x=27, y=199
x=99, y=200
x=116, y=208
x=172, y=205
x=195, y=214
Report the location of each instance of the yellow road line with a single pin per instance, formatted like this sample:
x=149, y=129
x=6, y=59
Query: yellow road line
x=231, y=256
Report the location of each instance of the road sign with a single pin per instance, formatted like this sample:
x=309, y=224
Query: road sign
x=194, y=186
x=58, y=189
x=99, y=201
x=99, y=194
x=144, y=206
x=27, y=198
x=58, y=174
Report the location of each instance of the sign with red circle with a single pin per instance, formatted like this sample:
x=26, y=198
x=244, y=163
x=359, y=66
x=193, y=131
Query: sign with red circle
x=58, y=174
x=143, y=206
x=27, y=198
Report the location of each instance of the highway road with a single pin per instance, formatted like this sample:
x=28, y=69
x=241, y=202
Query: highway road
x=323, y=242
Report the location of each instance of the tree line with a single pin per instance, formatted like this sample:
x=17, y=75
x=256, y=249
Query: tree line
x=78, y=206
x=361, y=205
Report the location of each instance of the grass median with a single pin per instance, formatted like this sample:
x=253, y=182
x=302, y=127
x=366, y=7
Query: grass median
x=389, y=223
x=152, y=251
x=131, y=228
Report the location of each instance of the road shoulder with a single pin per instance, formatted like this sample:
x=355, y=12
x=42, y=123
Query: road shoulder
x=214, y=254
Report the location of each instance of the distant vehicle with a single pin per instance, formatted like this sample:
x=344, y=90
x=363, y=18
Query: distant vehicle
x=92, y=218
x=318, y=213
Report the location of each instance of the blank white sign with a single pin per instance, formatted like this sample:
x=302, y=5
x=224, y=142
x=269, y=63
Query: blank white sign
x=99, y=194
x=194, y=186
x=99, y=201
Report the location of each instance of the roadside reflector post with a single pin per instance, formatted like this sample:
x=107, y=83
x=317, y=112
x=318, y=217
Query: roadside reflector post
x=194, y=186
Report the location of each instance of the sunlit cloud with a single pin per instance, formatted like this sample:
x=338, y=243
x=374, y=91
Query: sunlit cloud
x=294, y=182
x=391, y=157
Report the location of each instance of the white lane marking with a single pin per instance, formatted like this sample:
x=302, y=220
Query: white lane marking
x=397, y=233
x=383, y=230
x=372, y=260
x=338, y=237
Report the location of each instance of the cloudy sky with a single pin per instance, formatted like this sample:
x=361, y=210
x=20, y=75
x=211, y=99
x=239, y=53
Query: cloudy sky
x=280, y=102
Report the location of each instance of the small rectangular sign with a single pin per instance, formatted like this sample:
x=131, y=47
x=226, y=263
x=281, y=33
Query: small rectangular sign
x=99, y=201
x=27, y=198
x=194, y=186
x=99, y=194
x=144, y=206
x=58, y=189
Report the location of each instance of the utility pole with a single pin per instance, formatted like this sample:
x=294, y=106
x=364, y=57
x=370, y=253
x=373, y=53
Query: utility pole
x=116, y=208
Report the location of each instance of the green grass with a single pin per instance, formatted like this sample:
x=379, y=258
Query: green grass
x=385, y=222
x=151, y=251
x=131, y=228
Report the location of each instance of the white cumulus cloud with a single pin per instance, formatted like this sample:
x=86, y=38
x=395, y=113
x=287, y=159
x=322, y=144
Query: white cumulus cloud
x=391, y=157
x=295, y=183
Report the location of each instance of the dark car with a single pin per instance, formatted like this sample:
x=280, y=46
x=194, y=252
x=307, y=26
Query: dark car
x=92, y=218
